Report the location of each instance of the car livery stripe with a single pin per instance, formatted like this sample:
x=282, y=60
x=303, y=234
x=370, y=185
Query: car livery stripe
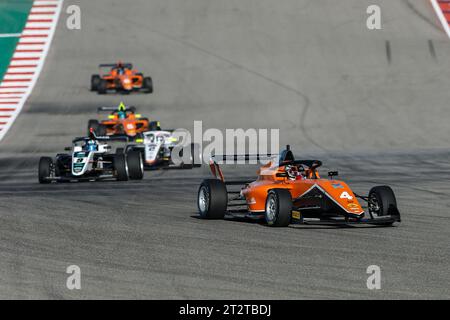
x=442, y=8
x=27, y=61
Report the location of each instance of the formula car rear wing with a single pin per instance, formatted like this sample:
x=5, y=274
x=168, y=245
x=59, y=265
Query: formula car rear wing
x=217, y=172
x=103, y=138
x=112, y=65
x=93, y=136
x=114, y=109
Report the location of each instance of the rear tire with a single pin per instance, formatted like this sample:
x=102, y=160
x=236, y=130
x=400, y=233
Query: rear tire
x=212, y=199
x=95, y=80
x=382, y=202
x=102, y=86
x=147, y=84
x=45, y=169
x=120, y=165
x=135, y=165
x=195, y=159
x=101, y=130
x=196, y=155
x=278, y=208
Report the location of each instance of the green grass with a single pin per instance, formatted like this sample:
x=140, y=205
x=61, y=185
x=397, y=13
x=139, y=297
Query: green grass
x=13, y=16
x=7, y=46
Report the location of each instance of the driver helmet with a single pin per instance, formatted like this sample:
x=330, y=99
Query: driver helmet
x=293, y=172
x=120, y=67
x=91, y=145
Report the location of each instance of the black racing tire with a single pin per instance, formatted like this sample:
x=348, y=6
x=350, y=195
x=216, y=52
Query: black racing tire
x=102, y=87
x=120, y=166
x=278, y=208
x=101, y=130
x=45, y=169
x=95, y=80
x=190, y=163
x=135, y=165
x=196, y=155
x=212, y=199
x=195, y=158
x=382, y=202
x=147, y=85
x=92, y=124
x=119, y=151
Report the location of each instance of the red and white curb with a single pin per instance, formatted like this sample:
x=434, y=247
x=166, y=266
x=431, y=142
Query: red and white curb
x=28, y=59
x=442, y=8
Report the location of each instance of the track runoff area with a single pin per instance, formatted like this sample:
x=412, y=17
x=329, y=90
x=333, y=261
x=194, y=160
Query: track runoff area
x=26, y=32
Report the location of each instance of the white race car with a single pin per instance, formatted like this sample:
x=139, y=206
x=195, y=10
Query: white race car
x=90, y=159
x=157, y=149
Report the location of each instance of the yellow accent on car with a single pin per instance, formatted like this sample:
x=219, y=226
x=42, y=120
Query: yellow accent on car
x=122, y=106
x=138, y=115
x=296, y=215
x=111, y=116
x=139, y=140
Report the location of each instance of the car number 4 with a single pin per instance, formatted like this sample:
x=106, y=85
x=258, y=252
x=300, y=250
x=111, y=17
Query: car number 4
x=346, y=195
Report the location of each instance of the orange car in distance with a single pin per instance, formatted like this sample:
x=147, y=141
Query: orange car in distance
x=122, y=121
x=292, y=192
x=120, y=77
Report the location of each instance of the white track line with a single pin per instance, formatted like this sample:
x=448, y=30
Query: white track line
x=28, y=59
x=9, y=35
x=441, y=16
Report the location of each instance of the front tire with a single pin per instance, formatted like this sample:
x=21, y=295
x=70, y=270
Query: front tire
x=120, y=165
x=135, y=165
x=278, y=208
x=147, y=84
x=196, y=155
x=45, y=170
x=195, y=158
x=382, y=202
x=95, y=80
x=212, y=199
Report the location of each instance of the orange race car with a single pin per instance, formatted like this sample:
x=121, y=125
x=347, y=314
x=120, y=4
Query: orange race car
x=120, y=77
x=122, y=121
x=292, y=191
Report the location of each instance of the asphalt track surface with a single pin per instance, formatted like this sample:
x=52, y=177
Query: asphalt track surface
x=310, y=68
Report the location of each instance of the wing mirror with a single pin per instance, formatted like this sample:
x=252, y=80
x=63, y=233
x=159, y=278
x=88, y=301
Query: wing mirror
x=67, y=148
x=332, y=174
